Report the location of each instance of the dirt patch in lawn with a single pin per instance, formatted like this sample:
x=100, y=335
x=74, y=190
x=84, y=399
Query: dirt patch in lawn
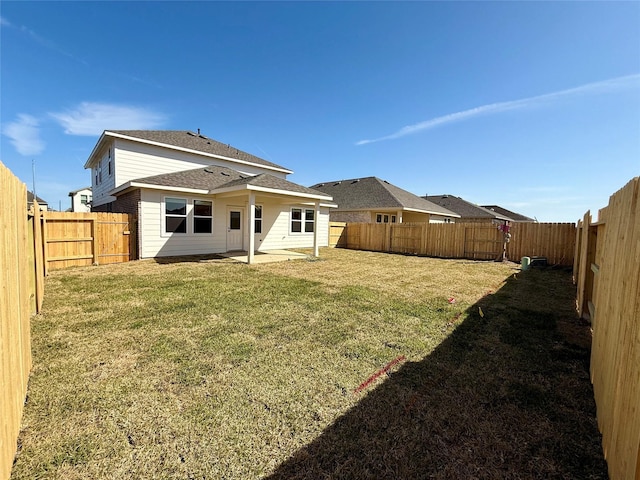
x=212, y=369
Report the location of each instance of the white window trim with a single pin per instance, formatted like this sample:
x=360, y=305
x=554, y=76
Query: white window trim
x=192, y=201
x=302, y=221
x=163, y=214
x=261, y=219
x=389, y=218
x=190, y=216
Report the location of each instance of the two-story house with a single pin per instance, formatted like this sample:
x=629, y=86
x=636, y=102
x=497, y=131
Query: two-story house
x=81, y=200
x=194, y=195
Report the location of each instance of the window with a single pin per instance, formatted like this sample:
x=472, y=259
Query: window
x=308, y=220
x=297, y=220
x=202, y=216
x=384, y=218
x=234, y=220
x=258, y=220
x=84, y=199
x=109, y=167
x=175, y=210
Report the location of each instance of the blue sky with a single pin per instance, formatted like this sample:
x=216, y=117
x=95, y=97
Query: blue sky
x=534, y=106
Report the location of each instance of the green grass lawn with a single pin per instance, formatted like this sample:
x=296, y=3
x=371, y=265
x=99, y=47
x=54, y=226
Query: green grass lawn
x=213, y=369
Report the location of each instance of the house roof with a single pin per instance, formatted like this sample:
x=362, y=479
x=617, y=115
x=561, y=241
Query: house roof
x=186, y=141
x=516, y=217
x=39, y=200
x=215, y=179
x=372, y=193
x=73, y=192
x=465, y=208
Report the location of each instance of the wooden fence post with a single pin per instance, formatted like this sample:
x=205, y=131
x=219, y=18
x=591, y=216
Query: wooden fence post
x=94, y=240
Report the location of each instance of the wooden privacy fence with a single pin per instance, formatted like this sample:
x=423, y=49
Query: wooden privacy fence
x=607, y=273
x=17, y=295
x=479, y=241
x=81, y=239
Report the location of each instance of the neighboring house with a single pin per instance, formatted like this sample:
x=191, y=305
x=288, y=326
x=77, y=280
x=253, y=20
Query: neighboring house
x=41, y=203
x=194, y=195
x=516, y=217
x=372, y=200
x=469, y=212
x=81, y=200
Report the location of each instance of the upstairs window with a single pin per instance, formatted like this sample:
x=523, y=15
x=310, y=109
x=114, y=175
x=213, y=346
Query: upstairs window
x=175, y=210
x=84, y=199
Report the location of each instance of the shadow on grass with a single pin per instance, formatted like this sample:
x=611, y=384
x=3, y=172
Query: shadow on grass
x=188, y=258
x=506, y=395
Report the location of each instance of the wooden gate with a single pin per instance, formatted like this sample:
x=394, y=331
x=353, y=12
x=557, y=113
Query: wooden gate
x=483, y=242
x=82, y=239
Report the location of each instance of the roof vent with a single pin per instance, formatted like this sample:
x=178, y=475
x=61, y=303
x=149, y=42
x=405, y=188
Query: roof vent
x=355, y=181
x=224, y=173
x=386, y=182
x=208, y=170
x=191, y=133
x=337, y=183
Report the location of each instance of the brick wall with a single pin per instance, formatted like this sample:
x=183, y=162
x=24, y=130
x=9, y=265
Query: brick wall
x=352, y=217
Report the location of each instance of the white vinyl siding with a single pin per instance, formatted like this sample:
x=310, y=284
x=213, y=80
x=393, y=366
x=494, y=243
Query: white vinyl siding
x=105, y=182
x=155, y=242
x=275, y=227
x=136, y=160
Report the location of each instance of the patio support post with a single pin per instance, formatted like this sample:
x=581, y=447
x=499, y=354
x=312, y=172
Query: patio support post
x=399, y=217
x=252, y=227
x=316, y=222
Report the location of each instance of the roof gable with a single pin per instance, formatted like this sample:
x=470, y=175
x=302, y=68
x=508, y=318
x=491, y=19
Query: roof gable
x=186, y=141
x=372, y=193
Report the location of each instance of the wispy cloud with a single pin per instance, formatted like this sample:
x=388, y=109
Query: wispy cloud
x=45, y=42
x=25, y=135
x=606, y=86
x=90, y=118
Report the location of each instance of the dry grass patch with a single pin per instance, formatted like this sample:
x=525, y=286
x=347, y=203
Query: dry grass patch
x=213, y=369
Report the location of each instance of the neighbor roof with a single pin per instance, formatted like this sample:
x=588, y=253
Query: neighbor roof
x=215, y=179
x=187, y=141
x=372, y=193
x=516, y=217
x=464, y=208
x=38, y=199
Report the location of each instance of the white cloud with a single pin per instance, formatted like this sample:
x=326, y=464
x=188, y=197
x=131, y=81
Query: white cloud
x=25, y=135
x=605, y=86
x=4, y=22
x=90, y=118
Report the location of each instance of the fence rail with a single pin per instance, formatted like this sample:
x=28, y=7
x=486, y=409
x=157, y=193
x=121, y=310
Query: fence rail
x=555, y=241
x=607, y=273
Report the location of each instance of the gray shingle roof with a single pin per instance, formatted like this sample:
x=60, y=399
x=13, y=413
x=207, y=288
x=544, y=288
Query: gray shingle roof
x=464, y=208
x=197, y=142
x=214, y=177
x=516, y=217
x=373, y=193
x=38, y=199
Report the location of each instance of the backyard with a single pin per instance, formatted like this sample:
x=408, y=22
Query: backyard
x=356, y=365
